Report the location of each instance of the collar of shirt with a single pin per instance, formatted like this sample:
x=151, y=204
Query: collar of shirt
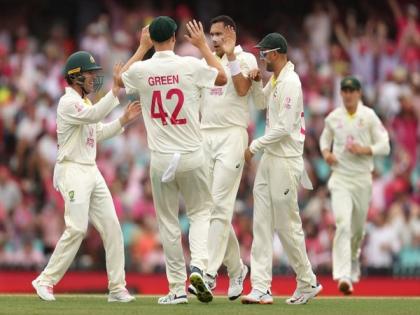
x=289, y=66
x=163, y=54
x=354, y=115
x=72, y=92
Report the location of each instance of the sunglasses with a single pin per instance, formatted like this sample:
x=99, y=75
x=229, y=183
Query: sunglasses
x=263, y=53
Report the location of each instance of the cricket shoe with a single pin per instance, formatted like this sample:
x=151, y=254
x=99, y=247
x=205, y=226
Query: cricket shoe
x=121, y=296
x=345, y=286
x=209, y=280
x=258, y=297
x=203, y=291
x=45, y=292
x=172, y=298
x=236, y=285
x=300, y=297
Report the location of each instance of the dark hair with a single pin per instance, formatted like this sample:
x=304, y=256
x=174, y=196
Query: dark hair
x=68, y=80
x=226, y=20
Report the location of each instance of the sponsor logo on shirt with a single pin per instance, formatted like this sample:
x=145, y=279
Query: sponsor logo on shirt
x=90, y=141
x=78, y=107
x=216, y=91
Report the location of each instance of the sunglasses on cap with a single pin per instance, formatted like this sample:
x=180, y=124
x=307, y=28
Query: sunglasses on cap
x=263, y=53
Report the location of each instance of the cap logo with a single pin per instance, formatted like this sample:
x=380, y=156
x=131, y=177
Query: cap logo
x=92, y=60
x=75, y=70
x=349, y=81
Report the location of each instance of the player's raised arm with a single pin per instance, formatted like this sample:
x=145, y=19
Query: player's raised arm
x=144, y=46
x=197, y=38
x=242, y=84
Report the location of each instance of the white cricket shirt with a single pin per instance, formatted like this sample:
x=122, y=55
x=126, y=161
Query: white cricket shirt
x=285, y=124
x=79, y=127
x=169, y=87
x=221, y=105
x=364, y=128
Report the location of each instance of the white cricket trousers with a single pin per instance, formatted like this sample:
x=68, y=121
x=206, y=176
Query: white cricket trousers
x=225, y=148
x=86, y=198
x=192, y=182
x=276, y=210
x=350, y=197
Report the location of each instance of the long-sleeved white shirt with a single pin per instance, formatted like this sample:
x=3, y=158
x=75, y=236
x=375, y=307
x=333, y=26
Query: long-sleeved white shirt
x=364, y=128
x=285, y=126
x=79, y=127
x=221, y=106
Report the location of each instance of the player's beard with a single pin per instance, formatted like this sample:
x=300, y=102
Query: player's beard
x=269, y=66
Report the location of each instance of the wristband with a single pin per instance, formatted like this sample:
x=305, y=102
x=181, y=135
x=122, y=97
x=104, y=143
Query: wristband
x=234, y=67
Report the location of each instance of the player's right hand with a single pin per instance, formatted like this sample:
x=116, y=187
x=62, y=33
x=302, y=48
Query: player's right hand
x=145, y=40
x=255, y=74
x=248, y=155
x=195, y=34
x=331, y=159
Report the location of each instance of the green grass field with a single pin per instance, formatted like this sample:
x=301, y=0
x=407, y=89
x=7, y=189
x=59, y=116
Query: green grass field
x=97, y=305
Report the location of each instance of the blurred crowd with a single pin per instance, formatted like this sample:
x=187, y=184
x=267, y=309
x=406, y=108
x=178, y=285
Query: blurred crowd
x=380, y=46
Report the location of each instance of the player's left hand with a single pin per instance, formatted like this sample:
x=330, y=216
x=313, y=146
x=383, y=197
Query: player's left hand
x=248, y=155
x=229, y=40
x=356, y=148
x=131, y=113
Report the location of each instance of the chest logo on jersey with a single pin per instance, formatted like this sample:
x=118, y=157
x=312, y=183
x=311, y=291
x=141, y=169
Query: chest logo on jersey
x=340, y=124
x=216, y=91
x=360, y=123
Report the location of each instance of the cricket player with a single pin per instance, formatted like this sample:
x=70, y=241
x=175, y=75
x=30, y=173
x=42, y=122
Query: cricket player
x=76, y=176
x=170, y=87
x=224, y=123
x=279, y=173
x=356, y=135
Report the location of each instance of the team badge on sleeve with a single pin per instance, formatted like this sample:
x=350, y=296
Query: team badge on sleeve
x=71, y=195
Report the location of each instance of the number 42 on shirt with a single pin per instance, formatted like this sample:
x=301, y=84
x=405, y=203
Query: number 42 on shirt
x=157, y=111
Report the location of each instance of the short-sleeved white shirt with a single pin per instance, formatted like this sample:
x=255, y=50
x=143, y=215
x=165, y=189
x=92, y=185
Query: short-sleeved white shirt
x=221, y=105
x=170, y=88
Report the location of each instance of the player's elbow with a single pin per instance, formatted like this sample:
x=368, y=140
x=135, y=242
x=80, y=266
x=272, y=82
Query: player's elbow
x=242, y=91
x=221, y=79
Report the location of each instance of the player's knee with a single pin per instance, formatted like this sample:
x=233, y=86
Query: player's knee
x=342, y=228
x=77, y=232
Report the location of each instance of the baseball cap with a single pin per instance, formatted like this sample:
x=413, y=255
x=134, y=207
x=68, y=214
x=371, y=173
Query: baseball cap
x=274, y=41
x=162, y=28
x=350, y=83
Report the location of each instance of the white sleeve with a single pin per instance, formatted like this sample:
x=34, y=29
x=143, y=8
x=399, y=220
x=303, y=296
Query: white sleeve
x=258, y=95
x=77, y=113
x=131, y=78
x=286, y=118
x=327, y=136
x=204, y=75
x=380, y=137
x=247, y=64
x=109, y=130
